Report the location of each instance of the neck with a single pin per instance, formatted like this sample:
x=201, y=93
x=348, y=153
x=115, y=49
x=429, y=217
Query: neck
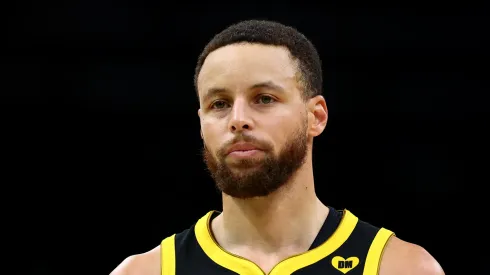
x=290, y=218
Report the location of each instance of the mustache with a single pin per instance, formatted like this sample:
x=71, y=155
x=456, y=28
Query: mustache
x=242, y=138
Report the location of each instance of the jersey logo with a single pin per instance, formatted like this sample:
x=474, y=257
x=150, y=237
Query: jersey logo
x=345, y=265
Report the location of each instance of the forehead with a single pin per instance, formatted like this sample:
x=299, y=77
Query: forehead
x=239, y=65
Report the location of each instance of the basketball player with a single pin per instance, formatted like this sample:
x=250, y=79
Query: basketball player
x=259, y=85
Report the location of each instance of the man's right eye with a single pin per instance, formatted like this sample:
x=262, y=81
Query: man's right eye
x=219, y=104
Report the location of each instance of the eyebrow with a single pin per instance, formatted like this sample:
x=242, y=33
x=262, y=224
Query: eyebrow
x=264, y=85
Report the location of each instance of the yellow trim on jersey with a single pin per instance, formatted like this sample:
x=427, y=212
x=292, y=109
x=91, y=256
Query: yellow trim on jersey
x=375, y=253
x=167, y=262
x=243, y=266
x=345, y=228
x=219, y=255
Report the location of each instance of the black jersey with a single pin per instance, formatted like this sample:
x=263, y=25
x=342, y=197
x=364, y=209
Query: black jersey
x=344, y=245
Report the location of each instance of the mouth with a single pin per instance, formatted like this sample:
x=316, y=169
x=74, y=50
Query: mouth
x=243, y=150
x=244, y=153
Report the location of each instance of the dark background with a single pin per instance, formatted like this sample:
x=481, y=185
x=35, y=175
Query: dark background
x=101, y=135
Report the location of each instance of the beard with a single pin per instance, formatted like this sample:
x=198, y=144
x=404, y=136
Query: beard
x=257, y=177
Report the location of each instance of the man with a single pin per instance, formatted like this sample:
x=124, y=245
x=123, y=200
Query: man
x=259, y=85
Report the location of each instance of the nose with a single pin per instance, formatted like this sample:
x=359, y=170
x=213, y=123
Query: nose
x=240, y=119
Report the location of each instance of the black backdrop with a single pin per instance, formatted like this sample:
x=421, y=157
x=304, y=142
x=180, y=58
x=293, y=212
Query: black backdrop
x=101, y=134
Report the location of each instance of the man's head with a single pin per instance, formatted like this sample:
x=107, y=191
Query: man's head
x=259, y=85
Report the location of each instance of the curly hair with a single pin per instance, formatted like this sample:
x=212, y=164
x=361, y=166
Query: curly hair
x=275, y=34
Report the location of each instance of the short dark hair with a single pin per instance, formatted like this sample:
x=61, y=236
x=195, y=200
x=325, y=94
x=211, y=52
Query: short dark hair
x=276, y=34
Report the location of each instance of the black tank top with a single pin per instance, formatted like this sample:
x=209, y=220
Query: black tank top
x=344, y=245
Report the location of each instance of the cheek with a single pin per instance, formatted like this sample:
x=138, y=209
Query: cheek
x=211, y=135
x=280, y=130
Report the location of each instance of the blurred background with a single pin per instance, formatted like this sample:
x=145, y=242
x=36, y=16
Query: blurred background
x=100, y=131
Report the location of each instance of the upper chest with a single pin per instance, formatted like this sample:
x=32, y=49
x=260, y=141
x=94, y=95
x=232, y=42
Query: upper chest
x=344, y=250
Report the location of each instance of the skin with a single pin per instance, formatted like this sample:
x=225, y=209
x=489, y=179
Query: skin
x=254, y=228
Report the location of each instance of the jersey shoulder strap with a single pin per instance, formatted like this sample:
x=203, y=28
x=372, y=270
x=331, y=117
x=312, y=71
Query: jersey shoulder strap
x=375, y=252
x=167, y=253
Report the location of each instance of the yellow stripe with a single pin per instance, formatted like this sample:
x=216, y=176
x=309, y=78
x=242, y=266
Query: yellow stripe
x=241, y=265
x=290, y=265
x=168, y=256
x=217, y=254
x=373, y=259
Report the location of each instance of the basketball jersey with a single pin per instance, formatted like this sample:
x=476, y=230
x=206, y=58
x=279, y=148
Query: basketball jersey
x=344, y=245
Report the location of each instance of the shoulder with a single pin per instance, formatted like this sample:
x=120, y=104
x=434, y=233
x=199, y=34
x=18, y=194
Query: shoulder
x=404, y=258
x=141, y=264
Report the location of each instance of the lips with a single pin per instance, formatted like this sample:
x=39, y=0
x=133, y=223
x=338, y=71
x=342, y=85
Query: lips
x=242, y=147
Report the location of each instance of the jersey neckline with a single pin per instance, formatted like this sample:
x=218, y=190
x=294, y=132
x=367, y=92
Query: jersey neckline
x=241, y=265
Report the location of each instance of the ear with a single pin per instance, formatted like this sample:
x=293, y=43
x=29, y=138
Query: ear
x=317, y=115
x=199, y=115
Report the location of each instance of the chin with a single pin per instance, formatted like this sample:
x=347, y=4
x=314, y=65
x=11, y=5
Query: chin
x=240, y=167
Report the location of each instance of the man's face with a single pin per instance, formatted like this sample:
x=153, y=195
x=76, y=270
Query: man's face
x=254, y=121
